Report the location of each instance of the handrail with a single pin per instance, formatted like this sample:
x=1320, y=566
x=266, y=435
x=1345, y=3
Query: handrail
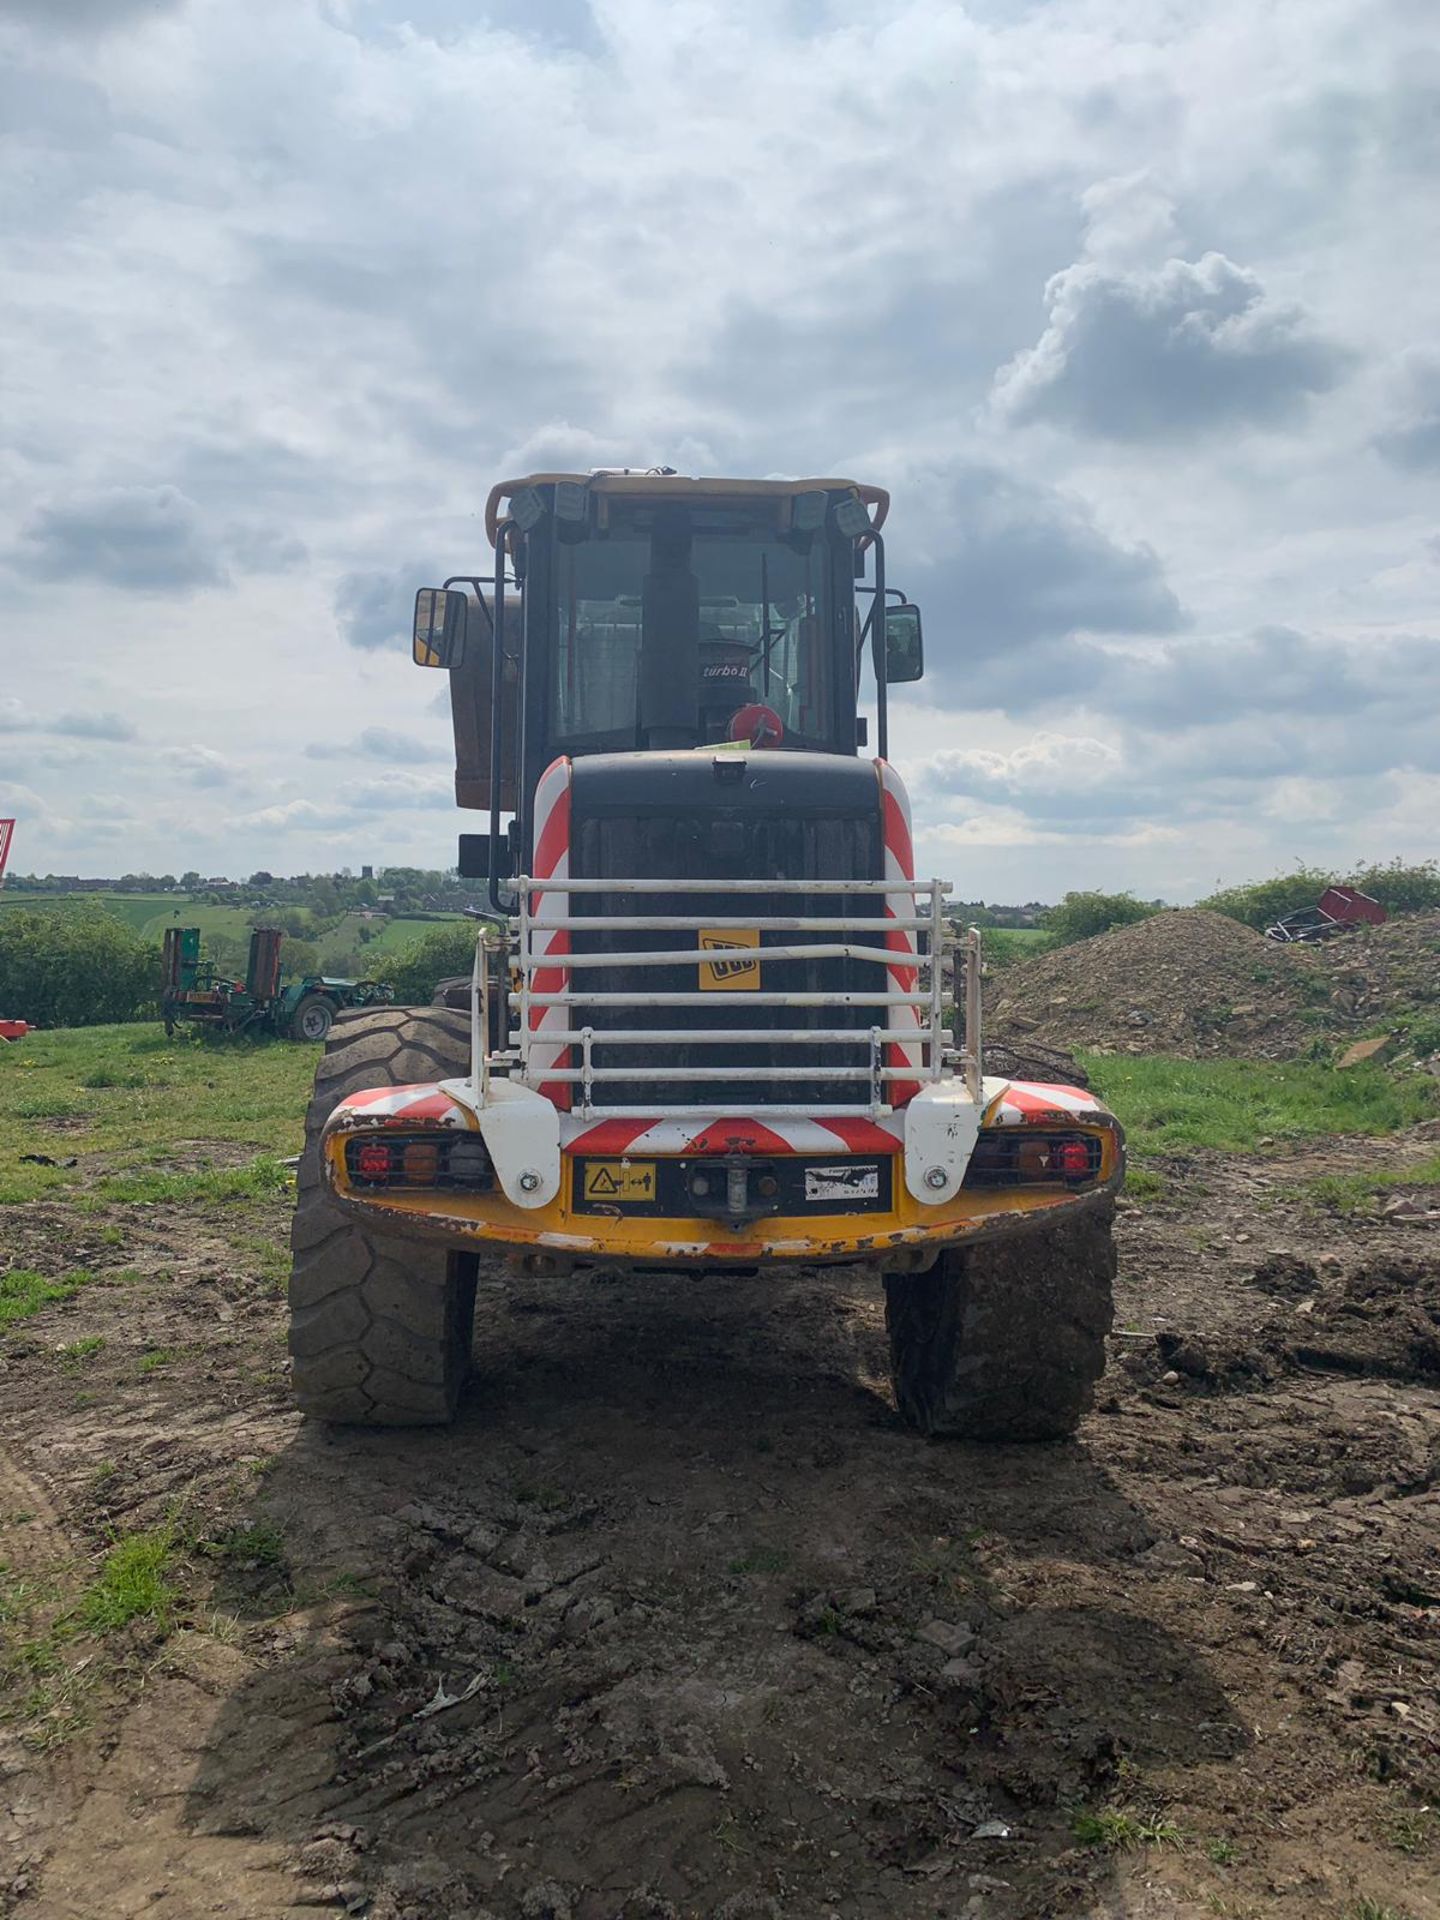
x=527, y=883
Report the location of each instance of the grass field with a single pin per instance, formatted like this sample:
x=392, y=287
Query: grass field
x=137, y=910
x=1234, y=1105
x=391, y=937
x=149, y=914
x=146, y=1103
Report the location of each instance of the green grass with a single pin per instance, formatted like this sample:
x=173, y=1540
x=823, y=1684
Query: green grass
x=1231, y=1105
x=132, y=1584
x=137, y=910
x=388, y=939
x=138, y=1094
x=1358, y=1193
x=1114, y=1830
x=1141, y=1183
x=23, y=1292
x=73, y=1357
x=234, y=923
x=259, y=1545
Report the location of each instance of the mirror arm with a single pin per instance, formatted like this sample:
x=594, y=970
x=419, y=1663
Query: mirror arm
x=877, y=649
x=479, y=583
x=497, y=729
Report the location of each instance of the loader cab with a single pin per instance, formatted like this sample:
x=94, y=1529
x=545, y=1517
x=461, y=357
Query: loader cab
x=649, y=613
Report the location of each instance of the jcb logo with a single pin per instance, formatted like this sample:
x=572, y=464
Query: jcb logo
x=729, y=976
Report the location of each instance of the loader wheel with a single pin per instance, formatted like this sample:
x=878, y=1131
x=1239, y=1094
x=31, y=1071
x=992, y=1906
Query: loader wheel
x=1005, y=1342
x=380, y=1325
x=312, y=1019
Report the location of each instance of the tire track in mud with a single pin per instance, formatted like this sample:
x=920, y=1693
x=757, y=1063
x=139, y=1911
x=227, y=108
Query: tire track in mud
x=741, y=1646
x=75, y=1844
x=683, y=1622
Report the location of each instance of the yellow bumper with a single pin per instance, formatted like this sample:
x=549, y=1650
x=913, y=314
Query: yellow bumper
x=558, y=1235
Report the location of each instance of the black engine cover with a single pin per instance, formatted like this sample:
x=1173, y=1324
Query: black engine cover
x=727, y=816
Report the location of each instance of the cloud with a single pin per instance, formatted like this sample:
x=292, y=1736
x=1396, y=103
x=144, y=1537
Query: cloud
x=94, y=726
x=1275, y=671
x=87, y=16
x=222, y=279
x=262, y=549
x=1189, y=348
x=201, y=766
x=1412, y=440
x=376, y=609
x=381, y=743
x=1010, y=572
x=1339, y=723
x=15, y=717
x=398, y=790
x=150, y=538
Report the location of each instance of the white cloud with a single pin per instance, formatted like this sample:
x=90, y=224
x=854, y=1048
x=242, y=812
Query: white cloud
x=1186, y=348
x=289, y=286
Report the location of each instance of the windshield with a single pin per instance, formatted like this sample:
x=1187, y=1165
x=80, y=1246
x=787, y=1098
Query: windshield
x=761, y=635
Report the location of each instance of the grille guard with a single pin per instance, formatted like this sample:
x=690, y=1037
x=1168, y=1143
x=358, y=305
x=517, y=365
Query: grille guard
x=911, y=1047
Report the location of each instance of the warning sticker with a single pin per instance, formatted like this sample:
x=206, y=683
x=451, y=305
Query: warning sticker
x=620, y=1180
x=848, y=1182
x=726, y=976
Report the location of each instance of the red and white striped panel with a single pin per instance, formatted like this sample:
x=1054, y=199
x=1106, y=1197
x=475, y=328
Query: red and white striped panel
x=1026, y=1102
x=547, y=910
x=835, y=1133
x=402, y=1107
x=900, y=865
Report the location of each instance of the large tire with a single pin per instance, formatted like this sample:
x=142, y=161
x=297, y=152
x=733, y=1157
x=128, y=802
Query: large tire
x=380, y=1325
x=1005, y=1342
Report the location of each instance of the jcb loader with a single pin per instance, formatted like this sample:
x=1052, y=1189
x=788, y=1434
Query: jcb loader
x=709, y=1024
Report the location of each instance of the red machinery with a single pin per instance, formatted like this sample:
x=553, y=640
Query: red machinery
x=1338, y=910
x=9, y=1029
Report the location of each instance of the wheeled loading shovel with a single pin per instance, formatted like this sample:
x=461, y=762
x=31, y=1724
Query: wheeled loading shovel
x=709, y=1026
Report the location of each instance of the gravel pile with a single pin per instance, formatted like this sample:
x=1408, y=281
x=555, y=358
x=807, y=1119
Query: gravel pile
x=1388, y=974
x=1184, y=982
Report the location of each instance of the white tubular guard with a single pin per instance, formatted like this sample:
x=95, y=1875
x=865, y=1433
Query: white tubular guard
x=521, y=1131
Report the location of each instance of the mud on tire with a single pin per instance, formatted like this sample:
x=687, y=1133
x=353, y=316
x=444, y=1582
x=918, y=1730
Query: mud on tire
x=1005, y=1342
x=380, y=1326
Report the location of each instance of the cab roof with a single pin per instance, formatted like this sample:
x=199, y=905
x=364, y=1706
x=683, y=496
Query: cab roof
x=654, y=484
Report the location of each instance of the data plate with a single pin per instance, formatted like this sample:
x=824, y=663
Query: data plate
x=846, y=1181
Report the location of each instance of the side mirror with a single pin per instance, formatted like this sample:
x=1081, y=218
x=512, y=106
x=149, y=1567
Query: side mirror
x=904, y=645
x=439, y=627
x=475, y=857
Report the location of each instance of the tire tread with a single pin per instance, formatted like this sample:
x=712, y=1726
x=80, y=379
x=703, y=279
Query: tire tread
x=380, y=1326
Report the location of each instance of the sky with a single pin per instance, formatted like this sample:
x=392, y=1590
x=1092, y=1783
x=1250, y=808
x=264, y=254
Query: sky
x=1132, y=305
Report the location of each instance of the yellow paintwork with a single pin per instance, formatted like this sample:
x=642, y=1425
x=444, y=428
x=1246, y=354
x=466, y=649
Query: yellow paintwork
x=467, y=1219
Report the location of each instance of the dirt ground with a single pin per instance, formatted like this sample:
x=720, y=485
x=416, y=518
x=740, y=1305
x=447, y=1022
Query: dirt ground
x=679, y=1621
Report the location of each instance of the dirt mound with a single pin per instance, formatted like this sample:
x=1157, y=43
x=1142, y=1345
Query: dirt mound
x=1388, y=974
x=1184, y=982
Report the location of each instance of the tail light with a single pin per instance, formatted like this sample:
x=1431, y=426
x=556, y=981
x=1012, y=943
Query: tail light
x=455, y=1162
x=1022, y=1157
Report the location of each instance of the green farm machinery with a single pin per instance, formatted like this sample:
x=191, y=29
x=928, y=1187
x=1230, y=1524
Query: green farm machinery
x=302, y=1009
